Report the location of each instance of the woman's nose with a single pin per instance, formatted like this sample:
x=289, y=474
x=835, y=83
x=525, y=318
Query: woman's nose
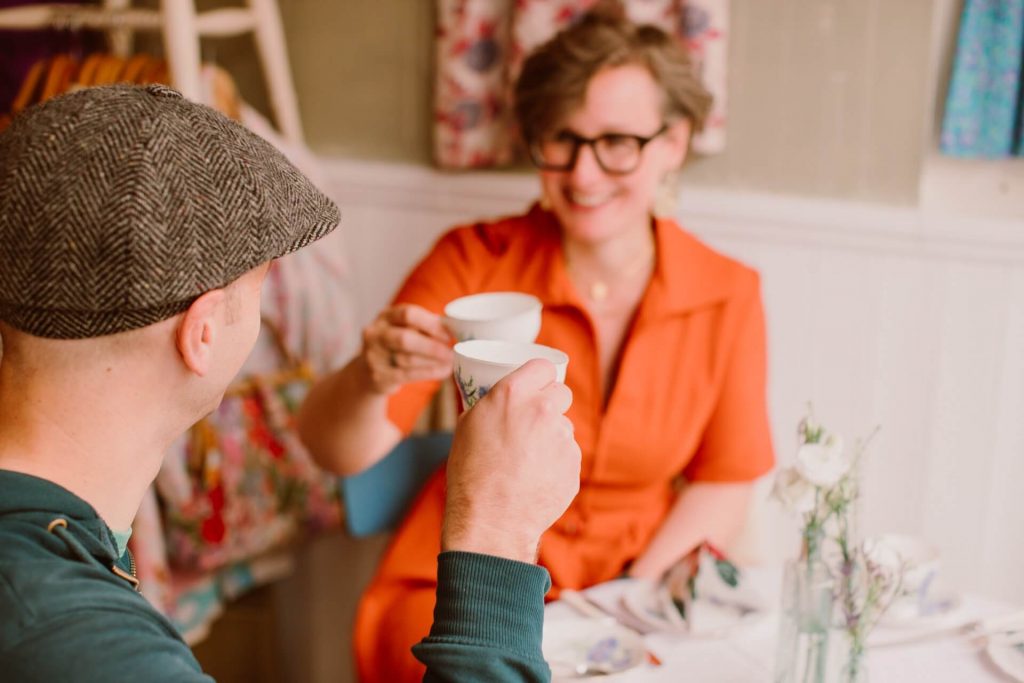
x=586, y=167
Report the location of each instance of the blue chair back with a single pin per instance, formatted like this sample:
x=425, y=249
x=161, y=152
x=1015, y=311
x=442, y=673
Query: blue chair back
x=376, y=499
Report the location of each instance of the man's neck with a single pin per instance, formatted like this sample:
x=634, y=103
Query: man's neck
x=84, y=442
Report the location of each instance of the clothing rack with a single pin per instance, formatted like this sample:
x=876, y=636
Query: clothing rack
x=182, y=28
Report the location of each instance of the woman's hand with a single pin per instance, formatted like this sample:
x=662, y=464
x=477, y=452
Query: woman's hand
x=405, y=343
x=705, y=511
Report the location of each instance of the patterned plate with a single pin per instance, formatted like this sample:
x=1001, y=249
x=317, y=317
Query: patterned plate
x=579, y=646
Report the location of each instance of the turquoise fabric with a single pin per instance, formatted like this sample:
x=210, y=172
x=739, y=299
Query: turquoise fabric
x=983, y=107
x=121, y=540
x=377, y=499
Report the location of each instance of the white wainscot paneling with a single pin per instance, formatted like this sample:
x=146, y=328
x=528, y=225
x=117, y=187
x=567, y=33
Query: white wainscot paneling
x=971, y=511
x=392, y=215
x=878, y=316
x=1003, y=550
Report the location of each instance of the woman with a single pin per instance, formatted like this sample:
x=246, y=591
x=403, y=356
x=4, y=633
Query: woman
x=665, y=337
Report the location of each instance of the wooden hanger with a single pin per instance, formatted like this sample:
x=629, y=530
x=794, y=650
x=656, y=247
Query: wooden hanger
x=88, y=71
x=108, y=71
x=153, y=72
x=58, y=77
x=222, y=91
x=134, y=68
x=27, y=93
x=55, y=75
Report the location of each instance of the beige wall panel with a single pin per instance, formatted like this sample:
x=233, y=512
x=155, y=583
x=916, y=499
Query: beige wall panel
x=363, y=71
x=828, y=97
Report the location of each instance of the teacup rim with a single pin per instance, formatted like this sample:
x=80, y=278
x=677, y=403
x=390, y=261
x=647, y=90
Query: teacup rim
x=534, y=302
x=563, y=356
x=928, y=553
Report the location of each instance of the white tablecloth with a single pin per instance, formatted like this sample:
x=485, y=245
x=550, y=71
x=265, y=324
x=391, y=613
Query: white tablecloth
x=747, y=655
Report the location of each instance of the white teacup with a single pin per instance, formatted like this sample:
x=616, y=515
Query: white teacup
x=480, y=363
x=509, y=316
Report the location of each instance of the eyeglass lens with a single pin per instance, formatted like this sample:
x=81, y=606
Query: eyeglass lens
x=615, y=153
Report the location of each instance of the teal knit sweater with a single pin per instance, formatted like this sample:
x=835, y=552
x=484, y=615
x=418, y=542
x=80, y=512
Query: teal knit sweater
x=68, y=615
x=487, y=622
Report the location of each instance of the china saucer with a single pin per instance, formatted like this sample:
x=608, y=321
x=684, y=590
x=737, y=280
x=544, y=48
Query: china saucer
x=941, y=603
x=581, y=646
x=1008, y=656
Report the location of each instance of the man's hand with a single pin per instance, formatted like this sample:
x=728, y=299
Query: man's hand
x=514, y=466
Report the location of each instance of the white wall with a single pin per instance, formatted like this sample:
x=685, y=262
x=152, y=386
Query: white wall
x=914, y=323
x=879, y=316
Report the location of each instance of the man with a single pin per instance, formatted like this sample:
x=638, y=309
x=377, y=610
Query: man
x=135, y=231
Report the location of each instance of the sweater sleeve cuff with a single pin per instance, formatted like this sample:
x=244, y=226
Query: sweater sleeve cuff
x=490, y=601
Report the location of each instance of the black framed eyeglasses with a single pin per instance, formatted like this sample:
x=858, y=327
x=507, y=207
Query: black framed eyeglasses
x=616, y=153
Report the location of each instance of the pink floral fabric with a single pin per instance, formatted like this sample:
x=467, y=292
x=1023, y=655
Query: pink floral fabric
x=481, y=45
x=239, y=487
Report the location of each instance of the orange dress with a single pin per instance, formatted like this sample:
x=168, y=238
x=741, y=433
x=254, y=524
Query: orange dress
x=688, y=401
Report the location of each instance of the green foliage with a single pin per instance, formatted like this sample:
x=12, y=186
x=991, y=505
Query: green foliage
x=728, y=572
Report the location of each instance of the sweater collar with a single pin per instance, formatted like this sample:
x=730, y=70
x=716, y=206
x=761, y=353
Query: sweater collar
x=40, y=501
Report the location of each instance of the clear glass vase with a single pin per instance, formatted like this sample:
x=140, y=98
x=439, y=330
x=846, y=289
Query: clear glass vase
x=806, y=624
x=847, y=660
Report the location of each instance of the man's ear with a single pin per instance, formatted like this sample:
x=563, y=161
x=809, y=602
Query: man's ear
x=197, y=331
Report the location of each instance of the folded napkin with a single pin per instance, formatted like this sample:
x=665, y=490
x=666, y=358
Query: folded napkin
x=704, y=595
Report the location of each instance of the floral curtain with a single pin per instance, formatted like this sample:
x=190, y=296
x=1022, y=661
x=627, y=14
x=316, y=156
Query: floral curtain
x=983, y=108
x=481, y=45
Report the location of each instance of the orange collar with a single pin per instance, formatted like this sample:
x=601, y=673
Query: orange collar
x=688, y=274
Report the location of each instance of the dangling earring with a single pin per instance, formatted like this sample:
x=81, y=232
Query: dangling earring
x=666, y=197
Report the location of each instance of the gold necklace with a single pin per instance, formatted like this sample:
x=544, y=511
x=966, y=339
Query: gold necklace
x=599, y=290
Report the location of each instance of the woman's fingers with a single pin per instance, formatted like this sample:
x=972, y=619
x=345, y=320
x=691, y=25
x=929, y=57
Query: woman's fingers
x=397, y=359
x=406, y=343
x=419, y=318
x=414, y=344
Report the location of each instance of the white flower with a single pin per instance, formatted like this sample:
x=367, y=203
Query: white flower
x=793, y=491
x=806, y=428
x=882, y=554
x=823, y=464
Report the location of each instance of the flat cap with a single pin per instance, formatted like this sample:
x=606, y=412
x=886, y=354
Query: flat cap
x=119, y=205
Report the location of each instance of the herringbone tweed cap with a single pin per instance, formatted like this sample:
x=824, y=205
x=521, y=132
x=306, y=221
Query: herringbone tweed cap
x=119, y=205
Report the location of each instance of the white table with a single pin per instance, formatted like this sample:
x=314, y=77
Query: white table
x=748, y=654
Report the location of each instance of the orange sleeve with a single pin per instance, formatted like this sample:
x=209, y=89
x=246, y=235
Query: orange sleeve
x=448, y=271
x=737, y=445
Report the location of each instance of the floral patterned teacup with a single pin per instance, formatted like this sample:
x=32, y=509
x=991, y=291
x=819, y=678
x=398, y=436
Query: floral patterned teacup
x=480, y=363
x=508, y=316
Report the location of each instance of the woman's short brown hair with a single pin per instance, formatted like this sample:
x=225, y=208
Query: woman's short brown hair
x=555, y=76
